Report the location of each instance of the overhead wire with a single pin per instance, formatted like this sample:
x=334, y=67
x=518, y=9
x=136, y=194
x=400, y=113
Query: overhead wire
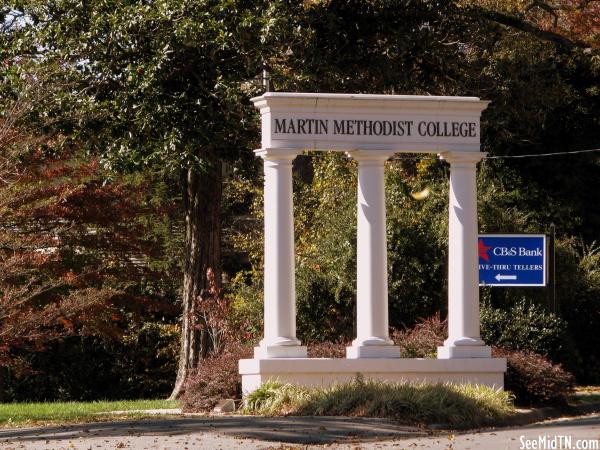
x=536, y=155
x=532, y=155
x=404, y=156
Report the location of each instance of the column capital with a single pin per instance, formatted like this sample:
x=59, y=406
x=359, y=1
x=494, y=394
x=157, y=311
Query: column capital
x=370, y=156
x=278, y=154
x=462, y=159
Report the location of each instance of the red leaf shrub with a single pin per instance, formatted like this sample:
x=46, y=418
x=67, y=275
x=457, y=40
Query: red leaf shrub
x=216, y=379
x=327, y=350
x=534, y=379
x=423, y=340
x=531, y=377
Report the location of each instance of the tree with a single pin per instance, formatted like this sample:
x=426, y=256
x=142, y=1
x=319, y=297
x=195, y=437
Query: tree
x=84, y=252
x=570, y=24
x=162, y=83
x=72, y=243
x=543, y=82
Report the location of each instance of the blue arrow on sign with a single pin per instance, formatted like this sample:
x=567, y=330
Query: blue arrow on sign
x=512, y=259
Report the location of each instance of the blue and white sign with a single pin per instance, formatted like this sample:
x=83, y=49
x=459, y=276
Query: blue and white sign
x=512, y=259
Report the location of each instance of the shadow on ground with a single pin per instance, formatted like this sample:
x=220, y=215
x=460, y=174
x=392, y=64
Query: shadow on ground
x=293, y=430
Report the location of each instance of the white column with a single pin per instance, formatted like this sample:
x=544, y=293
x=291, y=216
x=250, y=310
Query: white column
x=279, y=278
x=463, y=278
x=372, y=340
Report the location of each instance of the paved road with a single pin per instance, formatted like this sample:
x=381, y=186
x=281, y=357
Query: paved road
x=233, y=432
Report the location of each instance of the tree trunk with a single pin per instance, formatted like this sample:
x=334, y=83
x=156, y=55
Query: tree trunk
x=202, y=203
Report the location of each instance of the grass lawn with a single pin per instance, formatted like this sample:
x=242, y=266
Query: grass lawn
x=13, y=414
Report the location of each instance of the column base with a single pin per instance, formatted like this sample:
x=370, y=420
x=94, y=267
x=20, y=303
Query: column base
x=464, y=351
x=280, y=351
x=324, y=372
x=372, y=351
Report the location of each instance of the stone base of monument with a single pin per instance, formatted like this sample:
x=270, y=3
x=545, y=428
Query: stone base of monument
x=319, y=372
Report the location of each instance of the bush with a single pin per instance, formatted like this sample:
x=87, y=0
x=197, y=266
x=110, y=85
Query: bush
x=147, y=364
x=525, y=326
x=534, y=380
x=141, y=363
x=327, y=350
x=531, y=377
x=246, y=314
x=216, y=379
x=578, y=298
x=414, y=403
x=323, y=307
x=423, y=340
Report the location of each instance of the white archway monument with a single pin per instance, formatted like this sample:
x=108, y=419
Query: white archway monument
x=370, y=129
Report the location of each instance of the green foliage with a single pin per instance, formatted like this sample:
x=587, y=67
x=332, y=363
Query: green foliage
x=578, y=298
x=524, y=326
x=392, y=46
x=501, y=192
x=326, y=224
x=163, y=83
x=325, y=217
x=140, y=363
x=246, y=313
x=145, y=359
x=274, y=398
x=167, y=83
x=455, y=405
x=416, y=250
x=326, y=249
x=324, y=309
x=243, y=247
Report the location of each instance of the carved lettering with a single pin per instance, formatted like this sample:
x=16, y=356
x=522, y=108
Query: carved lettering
x=280, y=125
x=363, y=127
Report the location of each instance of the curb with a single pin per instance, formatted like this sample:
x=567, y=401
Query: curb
x=522, y=417
x=549, y=412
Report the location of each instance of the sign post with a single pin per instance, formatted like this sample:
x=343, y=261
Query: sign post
x=512, y=260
